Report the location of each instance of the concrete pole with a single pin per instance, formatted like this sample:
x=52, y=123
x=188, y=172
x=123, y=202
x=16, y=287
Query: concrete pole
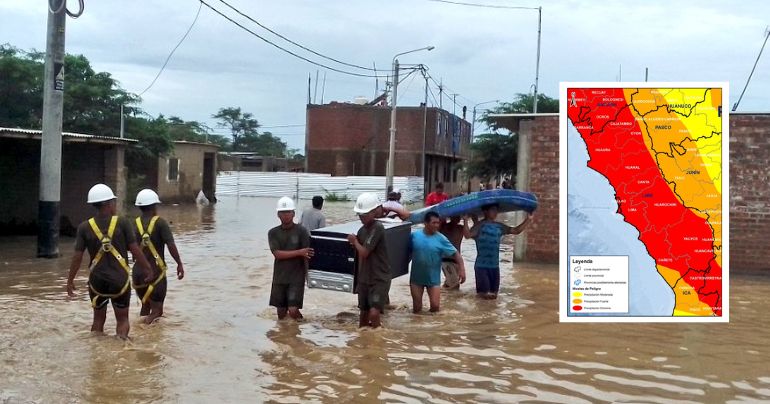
x=392, y=146
x=537, y=63
x=122, y=125
x=51, y=142
x=522, y=182
x=424, y=136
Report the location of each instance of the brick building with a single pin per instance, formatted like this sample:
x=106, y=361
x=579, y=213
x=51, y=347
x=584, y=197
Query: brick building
x=86, y=160
x=538, y=169
x=353, y=139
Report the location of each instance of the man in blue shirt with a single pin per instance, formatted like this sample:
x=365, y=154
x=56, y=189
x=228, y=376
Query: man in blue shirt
x=428, y=247
x=487, y=234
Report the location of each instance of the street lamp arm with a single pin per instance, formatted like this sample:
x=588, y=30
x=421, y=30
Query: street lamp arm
x=427, y=48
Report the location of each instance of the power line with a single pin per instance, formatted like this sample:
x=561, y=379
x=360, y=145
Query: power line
x=172, y=51
x=284, y=49
x=297, y=125
x=408, y=85
x=292, y=42
x=435, y=101
x=767, y=35
x=446, y=88
x=459, y=3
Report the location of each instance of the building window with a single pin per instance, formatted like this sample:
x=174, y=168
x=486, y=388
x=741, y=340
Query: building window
x=173, y=169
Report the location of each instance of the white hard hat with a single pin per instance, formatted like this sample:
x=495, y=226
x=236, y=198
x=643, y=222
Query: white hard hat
x=284, y=204
x=366, y=203
x=147, y=197
x=100, y=193
x=396, y=190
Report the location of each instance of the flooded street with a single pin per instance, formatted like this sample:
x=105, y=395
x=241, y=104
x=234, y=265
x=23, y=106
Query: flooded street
x=221, y=342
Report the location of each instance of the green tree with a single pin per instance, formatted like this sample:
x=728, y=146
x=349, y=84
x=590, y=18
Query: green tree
x=492, y=156
x=152, y=134
x=244, y=129
x=194, y=131
x=240, y=124
x=21, y=88
x=521, y=104
x=92, y=100
x=495, y=154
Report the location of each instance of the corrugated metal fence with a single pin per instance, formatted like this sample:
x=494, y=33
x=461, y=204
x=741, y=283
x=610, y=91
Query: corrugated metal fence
x=305, y=186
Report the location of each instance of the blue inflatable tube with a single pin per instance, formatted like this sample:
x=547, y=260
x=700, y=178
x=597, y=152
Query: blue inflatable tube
x=507, y=200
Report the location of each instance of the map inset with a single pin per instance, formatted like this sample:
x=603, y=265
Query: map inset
x=644, y=201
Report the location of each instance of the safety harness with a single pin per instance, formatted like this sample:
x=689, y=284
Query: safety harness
x=147, y=243
x=107, y=247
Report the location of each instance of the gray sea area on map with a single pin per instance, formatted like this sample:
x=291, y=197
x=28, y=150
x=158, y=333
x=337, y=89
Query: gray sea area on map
x=594, y=228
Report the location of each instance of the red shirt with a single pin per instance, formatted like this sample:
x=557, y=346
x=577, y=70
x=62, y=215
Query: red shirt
x=435, y=197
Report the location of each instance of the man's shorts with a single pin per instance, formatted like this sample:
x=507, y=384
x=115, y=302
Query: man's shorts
x=451, y=274
x=284, y=295
x=158, y=294
x=487, y=280
x=373, y=296
x=108, y=285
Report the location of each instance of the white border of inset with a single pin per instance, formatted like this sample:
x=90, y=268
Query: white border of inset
x=564, y=258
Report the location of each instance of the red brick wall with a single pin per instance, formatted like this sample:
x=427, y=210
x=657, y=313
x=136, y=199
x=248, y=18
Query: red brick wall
x=749, y=192
x=350, y=139
x=543, y=234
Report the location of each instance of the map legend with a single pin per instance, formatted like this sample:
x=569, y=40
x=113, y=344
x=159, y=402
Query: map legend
x=598, y=284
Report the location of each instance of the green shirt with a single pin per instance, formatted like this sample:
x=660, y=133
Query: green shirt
x=375, y=268
x=161, y=237
x=294, y=238
x=108, y=267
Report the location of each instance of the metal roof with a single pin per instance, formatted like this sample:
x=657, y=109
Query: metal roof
x=67, y=136
x=196, y=143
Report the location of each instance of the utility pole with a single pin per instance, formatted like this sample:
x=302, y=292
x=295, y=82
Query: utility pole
x=123, y=125
x=392, y=144
x=646, y=72
x=537, y=63
x=51, y=141
x=441, y=94
x=767, y=35
x=424, y=133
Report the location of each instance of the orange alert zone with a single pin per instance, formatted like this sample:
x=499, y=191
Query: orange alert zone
x=678, y=239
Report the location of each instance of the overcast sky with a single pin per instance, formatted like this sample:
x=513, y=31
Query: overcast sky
x=483, y=54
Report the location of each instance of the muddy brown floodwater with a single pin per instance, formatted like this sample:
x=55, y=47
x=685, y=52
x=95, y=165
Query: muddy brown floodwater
x=220, y=342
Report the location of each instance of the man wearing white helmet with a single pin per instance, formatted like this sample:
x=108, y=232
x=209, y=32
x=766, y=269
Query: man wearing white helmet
x=108, y=239
x=374, y=276
x=290, y=245
x=154, y=235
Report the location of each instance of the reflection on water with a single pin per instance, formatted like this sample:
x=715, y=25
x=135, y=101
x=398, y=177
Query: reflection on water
x=220, y=342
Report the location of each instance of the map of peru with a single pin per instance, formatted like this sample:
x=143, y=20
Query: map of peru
x=661, y=151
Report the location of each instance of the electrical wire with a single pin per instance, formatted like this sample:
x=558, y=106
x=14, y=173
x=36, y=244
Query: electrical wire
x=172, y=51
x=297, y=125
x=400, y=96
x=767, y=35
x=293, y=42
x=443, y=86
x=79, y=13
x=284, y=49
x=459, y=3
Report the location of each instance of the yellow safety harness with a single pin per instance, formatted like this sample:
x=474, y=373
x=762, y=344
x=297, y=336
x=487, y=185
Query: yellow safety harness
x=147, y=243
x=107, y=247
